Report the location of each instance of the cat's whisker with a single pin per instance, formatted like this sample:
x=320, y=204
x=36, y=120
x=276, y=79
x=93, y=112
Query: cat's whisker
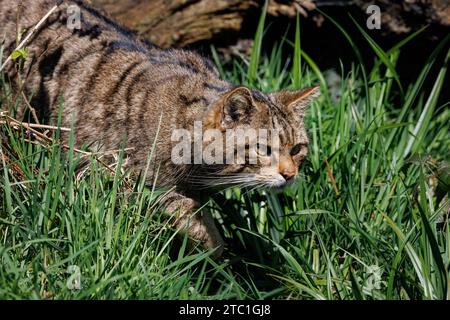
x=223, y=180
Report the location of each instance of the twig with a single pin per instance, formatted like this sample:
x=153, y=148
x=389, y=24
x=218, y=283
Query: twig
x=43, y=140
x=129, y=187
x=30, y=34
x=41, y=137
x=330, y=174
x=33, y=125
x=32, y=109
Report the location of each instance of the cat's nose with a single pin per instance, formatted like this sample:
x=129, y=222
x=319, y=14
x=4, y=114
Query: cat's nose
x=287, y=168
x=288, y=175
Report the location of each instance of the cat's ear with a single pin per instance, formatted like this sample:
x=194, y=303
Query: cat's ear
x=237, y=107
x=298, y=100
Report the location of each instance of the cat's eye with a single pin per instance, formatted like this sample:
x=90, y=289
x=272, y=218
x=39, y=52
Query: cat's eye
x=296, y=149
x=267, y=150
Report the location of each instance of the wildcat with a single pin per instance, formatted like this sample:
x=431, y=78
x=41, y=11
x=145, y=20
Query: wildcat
x=119, y=90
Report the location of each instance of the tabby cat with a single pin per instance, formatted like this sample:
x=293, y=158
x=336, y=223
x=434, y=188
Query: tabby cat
x=119, y=90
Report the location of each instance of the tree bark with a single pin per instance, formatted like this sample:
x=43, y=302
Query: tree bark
x=183, y=22
x=401, y=17
x=179, y=22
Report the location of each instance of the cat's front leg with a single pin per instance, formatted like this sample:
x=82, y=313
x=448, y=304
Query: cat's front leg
x=198, y=224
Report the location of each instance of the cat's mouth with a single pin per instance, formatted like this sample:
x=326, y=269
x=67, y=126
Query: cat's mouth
x=278, y=183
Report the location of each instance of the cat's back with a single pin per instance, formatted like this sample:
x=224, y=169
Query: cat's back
x=113, y=85
x=99, y=67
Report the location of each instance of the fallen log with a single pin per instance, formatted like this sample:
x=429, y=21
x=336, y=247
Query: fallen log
x=184, y=22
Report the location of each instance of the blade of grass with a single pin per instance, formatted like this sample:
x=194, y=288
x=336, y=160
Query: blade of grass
x=256, y=51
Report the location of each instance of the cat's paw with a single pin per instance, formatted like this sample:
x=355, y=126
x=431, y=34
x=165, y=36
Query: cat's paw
x=201, y=227
x=207, y=233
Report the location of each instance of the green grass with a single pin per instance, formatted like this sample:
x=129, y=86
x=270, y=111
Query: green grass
x=368, y=218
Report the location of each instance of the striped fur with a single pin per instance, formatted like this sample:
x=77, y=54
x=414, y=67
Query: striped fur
x=119, y=90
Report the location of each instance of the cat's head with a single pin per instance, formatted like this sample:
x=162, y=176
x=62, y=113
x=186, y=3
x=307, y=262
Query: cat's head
x=271, y=158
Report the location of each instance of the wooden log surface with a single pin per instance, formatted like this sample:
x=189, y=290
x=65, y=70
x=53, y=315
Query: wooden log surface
x=184, y=22
x=178, y=22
